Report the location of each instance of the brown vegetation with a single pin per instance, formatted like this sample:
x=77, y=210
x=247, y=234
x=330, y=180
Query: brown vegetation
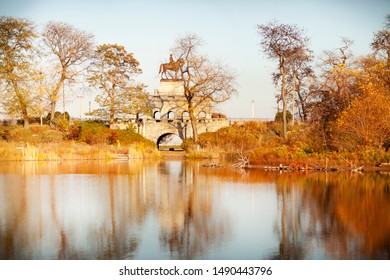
x=87, y=140
x=263, y=144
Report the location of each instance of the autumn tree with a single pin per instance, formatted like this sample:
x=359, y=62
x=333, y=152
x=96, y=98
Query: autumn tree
x=381, y=46
x=205, y=82
x=366, y=121
x=112, y=71
x=282, y=42
x=300, y=77
x=335, y=91
x=16, y=72
x=71, y=49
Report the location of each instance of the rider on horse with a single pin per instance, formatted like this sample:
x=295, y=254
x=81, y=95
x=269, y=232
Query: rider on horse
x=172, y=66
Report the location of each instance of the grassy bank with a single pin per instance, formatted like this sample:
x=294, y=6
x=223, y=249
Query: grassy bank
x=261, y=144
x=84, y=141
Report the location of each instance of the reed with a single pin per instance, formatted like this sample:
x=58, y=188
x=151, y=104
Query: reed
x=69, y=150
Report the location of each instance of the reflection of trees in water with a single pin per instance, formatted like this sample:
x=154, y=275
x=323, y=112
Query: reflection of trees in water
x=45, y=215
x=347, y=215
x=289, y=226
x=50, y=216
x=186, y=216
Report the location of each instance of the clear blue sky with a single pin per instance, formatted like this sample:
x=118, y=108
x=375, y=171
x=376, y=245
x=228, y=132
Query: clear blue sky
x=148, y=29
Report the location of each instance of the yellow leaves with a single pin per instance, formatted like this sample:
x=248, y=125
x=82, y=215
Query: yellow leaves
x=367, y=120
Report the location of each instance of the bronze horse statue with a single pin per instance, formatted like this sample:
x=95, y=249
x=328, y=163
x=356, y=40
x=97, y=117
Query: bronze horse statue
x=173, y=66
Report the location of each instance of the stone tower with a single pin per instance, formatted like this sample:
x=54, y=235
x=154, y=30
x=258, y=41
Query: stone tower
x=169, y=102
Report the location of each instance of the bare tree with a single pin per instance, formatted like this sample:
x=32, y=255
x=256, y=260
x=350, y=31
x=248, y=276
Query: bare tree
x=16, y=71
x=71, y=48
x=205, y=83
x=381, y=45
x=306, y=87
x=300, y=70
x=281, y=42
x=337, y=86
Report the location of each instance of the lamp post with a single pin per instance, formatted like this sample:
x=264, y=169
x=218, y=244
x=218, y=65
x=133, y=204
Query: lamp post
x=80, y=98
x=40, y=97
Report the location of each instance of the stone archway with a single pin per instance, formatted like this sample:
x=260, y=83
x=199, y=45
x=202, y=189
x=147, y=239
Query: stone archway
x=170, y=142
x=157, y=116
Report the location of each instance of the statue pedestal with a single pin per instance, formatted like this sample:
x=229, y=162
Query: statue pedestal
x=171, y=87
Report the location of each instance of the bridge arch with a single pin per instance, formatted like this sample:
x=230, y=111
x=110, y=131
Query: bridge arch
x=175, y=140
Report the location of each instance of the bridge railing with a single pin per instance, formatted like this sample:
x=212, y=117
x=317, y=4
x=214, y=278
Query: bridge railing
x=251, y=119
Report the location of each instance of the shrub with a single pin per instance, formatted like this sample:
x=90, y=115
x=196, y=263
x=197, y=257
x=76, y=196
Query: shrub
x=92, y=132
x=279, y=116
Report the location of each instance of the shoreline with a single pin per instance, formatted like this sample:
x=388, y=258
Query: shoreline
x=182, y=155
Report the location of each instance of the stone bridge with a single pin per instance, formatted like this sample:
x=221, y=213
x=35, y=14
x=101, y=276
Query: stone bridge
x=158, y=130
x=171, y=117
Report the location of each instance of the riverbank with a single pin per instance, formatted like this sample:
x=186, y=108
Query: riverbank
x=248, y=145
x=70, y=150
x=257, y=144
x=84, y=141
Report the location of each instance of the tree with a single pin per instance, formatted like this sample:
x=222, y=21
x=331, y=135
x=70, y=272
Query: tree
x=305, y=87
x=299, y=79
x=299, y=72
x=282, y=42
x=16, y=45
x=205, y=83
x=71, y=48
x=381, y=45
x=336, y=90
x=366, y=121
x=112, y=71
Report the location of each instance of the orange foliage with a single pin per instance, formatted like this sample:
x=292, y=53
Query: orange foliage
x=366, y=122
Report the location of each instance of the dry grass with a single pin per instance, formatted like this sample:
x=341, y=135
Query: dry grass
x=262, y=145
x=43, y=143
x=69, y=150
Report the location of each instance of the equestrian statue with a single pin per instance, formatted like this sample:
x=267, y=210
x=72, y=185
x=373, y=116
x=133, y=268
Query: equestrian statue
x=174, y=66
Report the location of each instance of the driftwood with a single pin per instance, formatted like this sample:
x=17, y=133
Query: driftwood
x=281, y=167
x=212, y=164
x=243, y=162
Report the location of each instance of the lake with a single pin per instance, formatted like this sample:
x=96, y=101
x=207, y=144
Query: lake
x=178, y=209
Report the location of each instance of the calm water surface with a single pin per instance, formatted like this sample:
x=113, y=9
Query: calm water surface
x=181, y=210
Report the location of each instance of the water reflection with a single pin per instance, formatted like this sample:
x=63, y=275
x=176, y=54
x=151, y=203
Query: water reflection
x=181, y=210
x=99, y=210
x=333, y=216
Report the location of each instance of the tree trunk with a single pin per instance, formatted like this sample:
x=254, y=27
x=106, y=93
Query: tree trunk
x=54, y=97
x=22, y=101
x=293, y=97
x=112, y=115
x=193, y=122
x=302, y=102
x=284, y=98
x=26, y=122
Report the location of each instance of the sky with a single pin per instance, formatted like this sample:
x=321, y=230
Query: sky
x=148, y=29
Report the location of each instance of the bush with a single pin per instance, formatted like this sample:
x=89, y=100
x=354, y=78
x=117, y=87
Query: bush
x=34, y=134
x=279, y=116
x=239, y=136
x=92, y=132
